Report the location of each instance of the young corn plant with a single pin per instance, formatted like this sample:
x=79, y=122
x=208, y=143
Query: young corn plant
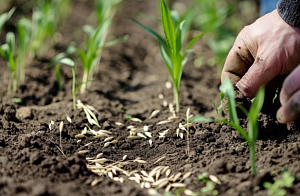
x=251, y=135
x=70, y=63
x=90, y=56
x=24, y=35
x=9, y=53
x=172, y=50
x=5, y=17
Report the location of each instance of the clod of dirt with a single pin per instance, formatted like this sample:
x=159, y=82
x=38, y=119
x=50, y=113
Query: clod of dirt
x=10, y=114
x=24, y=112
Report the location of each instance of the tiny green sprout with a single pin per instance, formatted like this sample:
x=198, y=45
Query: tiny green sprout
x=5, y=17
x=251, y=136
x=203, y=177
x=128, y=117
x=209, y=189
x=16, y=100
x=277, y=188
x=94, y=43
x=172, y=51
x=70, y=63
x=9, y=53
x=24, y=27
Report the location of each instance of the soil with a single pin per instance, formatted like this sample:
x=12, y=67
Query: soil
x=131, y=83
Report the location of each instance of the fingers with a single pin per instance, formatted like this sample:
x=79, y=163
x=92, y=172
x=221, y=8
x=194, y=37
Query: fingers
x=238, y=60
x=290, y=85
x=290, y=98
x=290, y=111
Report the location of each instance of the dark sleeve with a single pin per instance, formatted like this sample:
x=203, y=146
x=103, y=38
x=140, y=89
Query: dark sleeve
x=289, y=10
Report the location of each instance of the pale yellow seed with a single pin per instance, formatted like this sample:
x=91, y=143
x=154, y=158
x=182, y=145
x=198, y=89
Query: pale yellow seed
x=168, y=172
x=119, y=123
x=165, y=103
x=106, y=144
x=108, y=139
x=168, y=85
x=186, y=175
x=154, y=114
x=158, y=182
x=181, y=135
x=163, y=184
x=148, y=179
x=157, y=174
x=95, y=182
x=163, y=122
x=147, y=185
x=188, y=192
x=114, y=141
x=130, y=127
x=159, y=159
x=160, y=96
x=140, y=161
x=178, y=185
x=101, y=135
x=110, y=174
x=69, y=119
x=150, y=142
x=171, y=118
x=124, y=157
x=177, y=176
x=153, y=172
x=79, y=136
x=144, y=173
x=114, y=171
x=214, y=179
x=117, y=179
x=136, y=120
x=168, y=188
x=122, y=180
x=137, y=176
x=142, y=185
x=83, y=152
x=165, y=169
x=99, y=155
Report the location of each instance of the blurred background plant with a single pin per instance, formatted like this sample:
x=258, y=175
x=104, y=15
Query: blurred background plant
x=220, y=20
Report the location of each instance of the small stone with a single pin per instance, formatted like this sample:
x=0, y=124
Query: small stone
x=10, y=114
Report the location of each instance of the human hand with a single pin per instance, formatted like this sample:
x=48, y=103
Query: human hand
x=263, y=50
x=290, y=98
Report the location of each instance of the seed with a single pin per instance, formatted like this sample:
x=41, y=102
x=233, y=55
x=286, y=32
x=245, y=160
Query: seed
x=160, y=96
x=148, y=179
x=171, y=118
x=165, y=169
x=95, y=182
x=168, y=85
x=181, y=135
x=148, y=134
x=163, y=184
x=61, y=126
x=135, y=179
x=114, y=141
x=50, y=126
x=103, y=131
x=52, y=122
x=140, y=161
x=69, y=119
x=103, y=160
x=88, y=144
x=117, y=179
x=136, y=120
x=101, y=135
x=158, y=182
x=121, y=180
x=150, y=142
x=142, y=185
x=186, y=175
x=141, y=135
x=144, y=173
x=159, y=159
x=119, y=123
x=110, y=174
x=147, y=185
x=124, y=157
x=114, y=171
x=214, y=179
x=157, y=174
x=153, y=172
x=154, y=114
x=137, y=176
x=83, y=151
x=188, y=113
x=168, y=172
x=106, y=144
x=163, y=122
x=188, y=192
x=99, y=155
x=178, y=185
x=168, y=188
x=171, y=108
x=177, y=176
x=79, y=136
x=130, y=127
x=165, y=103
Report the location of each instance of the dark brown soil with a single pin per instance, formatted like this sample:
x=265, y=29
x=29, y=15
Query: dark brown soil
x=131, y=77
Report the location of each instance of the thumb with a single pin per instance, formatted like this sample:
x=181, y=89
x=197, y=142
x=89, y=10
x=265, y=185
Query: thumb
x=262, y=71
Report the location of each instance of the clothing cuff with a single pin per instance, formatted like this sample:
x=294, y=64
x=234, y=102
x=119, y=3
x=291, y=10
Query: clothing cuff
x=289, y=10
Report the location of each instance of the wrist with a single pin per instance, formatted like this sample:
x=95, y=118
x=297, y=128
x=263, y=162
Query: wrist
x=289, y=11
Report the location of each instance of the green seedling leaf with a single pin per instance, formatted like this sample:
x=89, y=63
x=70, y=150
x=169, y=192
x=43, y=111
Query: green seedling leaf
x=16, y=100
x=168, y=25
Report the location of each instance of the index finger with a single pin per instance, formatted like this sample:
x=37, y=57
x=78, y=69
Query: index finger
x=237, y=62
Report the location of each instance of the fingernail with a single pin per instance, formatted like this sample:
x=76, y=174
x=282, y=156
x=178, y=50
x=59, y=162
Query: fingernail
x=279, y=116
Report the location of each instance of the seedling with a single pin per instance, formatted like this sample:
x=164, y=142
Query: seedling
x=24, y=35
x=94, y=43
x=8, y=52
x=172, y=51
x=70, y=63
x=5, y=17
x=277, y=188
x=251, y=136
